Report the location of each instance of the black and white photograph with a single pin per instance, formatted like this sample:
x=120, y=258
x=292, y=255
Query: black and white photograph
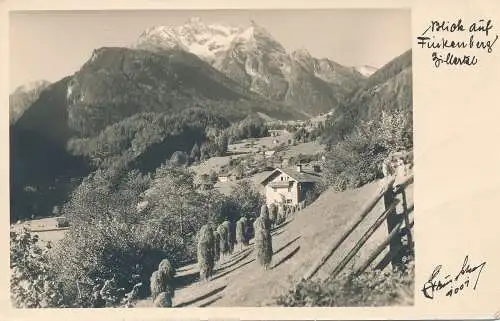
x=211, y=158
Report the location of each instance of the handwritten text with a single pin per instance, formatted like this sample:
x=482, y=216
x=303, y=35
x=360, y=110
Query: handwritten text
x=446, y=39
x=438, y=282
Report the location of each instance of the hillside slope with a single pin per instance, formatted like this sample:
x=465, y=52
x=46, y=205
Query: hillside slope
x=23, y=97
x=113, y=86
x=297, y=244
x=388, y=89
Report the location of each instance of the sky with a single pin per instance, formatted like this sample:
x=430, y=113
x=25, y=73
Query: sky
x=50, y=45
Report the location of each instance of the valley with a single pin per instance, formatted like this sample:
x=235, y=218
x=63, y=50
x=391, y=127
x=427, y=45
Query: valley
x=146, y=149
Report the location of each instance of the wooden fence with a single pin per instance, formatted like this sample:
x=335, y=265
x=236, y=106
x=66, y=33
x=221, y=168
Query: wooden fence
x=399, y=238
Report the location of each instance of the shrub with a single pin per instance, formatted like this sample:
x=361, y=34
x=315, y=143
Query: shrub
x=246, y=199
x=395, y=130
x=372, y=288
x=206, y=259
x=127, y=302
x=32, y=283
x=357, y=159
x=111, y=293
x=313, y=193
x=179, y=158
x=195, y=153
x=110, y=235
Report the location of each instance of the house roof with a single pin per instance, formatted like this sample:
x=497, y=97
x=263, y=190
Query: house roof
x=302, y=177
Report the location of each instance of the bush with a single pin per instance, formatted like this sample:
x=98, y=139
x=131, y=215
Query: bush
x=247, y=199
x=313, y=193
x=179, y=158
x=372, y=288
x=110, y=234
x=124, y=223
x=32, y=283
x=357, y=159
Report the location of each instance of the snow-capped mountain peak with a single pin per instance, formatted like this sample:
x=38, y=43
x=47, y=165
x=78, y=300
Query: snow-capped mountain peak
x=207, y=41
x=252, y=57
x=204, y=40
x=366, y=70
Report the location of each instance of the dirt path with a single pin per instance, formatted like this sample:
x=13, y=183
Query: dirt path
x=297, y=244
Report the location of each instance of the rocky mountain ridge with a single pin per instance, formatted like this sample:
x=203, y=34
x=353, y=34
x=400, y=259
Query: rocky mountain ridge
x=252, y=57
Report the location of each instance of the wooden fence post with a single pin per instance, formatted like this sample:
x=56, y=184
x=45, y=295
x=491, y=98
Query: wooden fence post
x=394, y=233
x=364, y=212
x=406, y=215
x=392, y=221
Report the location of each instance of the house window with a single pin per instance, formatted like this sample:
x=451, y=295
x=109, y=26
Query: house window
x=288, y=201
x=281, y=177
x=289, y=189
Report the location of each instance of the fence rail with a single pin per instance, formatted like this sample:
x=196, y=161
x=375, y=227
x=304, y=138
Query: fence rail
x=396, y=232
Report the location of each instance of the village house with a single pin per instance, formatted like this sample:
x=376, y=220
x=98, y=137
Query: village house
x=274, y=132
x=289, y=185
x=269, y=153
x=226, y=177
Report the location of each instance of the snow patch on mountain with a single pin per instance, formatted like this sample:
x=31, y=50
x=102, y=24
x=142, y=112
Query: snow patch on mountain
x=204, y=40
x=366, y=70
x=250, y=55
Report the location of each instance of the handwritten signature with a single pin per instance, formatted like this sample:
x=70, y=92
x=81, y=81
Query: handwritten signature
x=453, y=285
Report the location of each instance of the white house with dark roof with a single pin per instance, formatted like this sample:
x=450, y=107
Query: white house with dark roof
x=289, y=185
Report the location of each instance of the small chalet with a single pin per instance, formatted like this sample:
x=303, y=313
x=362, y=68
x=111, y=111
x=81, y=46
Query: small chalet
x=269, y=153
x=289, y=185
x=274, y=132
x=226, y=177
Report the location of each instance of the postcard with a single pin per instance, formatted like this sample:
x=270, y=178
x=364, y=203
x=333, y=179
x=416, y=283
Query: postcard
x=251, y=160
